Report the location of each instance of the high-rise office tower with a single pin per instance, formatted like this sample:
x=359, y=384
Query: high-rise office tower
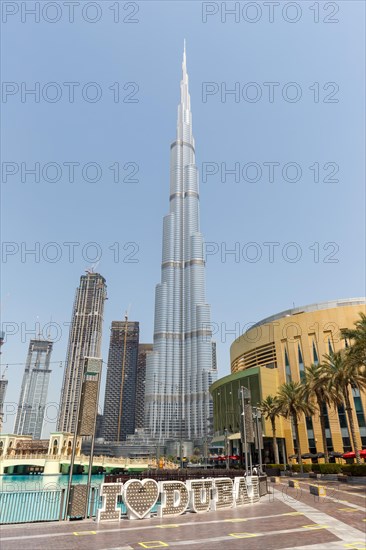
x=33, y=393
x=3, y=384
x=143, y=351
x=179, y=371
x=85, y=340
x=120, y=390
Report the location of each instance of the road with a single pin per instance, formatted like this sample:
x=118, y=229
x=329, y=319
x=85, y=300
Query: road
x=286, y=518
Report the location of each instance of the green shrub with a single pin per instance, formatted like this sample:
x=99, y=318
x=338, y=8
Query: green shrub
x=279, y=466
x=330, y=468
x=354, y=469
x=306, y=468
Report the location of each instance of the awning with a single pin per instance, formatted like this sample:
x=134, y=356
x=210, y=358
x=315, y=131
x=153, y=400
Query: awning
x=312, y=455
x=234, y=436
x=352, y=454
x=218, y=439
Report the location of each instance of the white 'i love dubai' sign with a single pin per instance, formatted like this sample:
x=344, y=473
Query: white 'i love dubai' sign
x=176, y=497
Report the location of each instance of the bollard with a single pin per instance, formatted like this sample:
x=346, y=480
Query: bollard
x=275, y=479
x=318, y=490
x=293, y=483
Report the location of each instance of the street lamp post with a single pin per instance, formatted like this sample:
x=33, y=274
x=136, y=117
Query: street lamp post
x=75, y=434
x=257, y=416
x=226, y=451
x=244, y=393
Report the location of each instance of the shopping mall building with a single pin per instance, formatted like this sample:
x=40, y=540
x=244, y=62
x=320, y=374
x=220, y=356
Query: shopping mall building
x=277, y=350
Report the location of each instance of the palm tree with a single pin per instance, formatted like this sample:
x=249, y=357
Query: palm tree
x=269, y=408
x=344, y=375
x=292, y=404
x=318, y=389
x=356, y=352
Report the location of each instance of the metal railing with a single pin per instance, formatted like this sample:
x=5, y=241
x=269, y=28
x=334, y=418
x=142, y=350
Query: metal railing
x=80, y=458
x=36, y=506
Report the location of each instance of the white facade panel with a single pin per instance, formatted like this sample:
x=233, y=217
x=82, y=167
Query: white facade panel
x=180, y=370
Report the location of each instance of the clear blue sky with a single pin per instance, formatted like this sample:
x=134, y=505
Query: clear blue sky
x=149, y=53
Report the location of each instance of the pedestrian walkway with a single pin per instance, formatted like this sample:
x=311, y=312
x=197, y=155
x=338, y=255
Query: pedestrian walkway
x=287, y=518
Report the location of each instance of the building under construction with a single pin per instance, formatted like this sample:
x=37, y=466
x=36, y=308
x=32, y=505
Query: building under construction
x=85, y=339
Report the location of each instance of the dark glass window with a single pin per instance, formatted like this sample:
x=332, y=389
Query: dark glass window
x=315, y=355
x=287, y=367
x=309, y=423
x=326, y=417
x=359, y=409
x=301, y=363
x=310, y=432
x=342, y=417
x=330, y=347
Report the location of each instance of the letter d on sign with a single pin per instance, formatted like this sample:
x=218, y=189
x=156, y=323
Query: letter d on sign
x=174, y=498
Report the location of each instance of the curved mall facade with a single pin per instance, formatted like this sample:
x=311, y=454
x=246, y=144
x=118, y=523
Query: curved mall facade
x=277, y=350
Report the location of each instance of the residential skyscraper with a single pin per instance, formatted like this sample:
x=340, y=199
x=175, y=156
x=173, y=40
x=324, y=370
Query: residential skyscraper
x=3, y=384
x=179, y=371
x=33, y=393
x=143, y=351
x=85, y=340
x=120, y=390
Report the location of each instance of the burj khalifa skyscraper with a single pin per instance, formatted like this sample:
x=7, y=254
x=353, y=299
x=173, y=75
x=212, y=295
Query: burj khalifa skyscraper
x=182, y=365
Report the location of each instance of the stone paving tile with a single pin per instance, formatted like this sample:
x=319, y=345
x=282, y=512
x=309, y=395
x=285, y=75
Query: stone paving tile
x=202, y=527
x=100, y=537
x=339, y=510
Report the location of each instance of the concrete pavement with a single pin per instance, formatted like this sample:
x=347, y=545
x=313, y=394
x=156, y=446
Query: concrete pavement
x=287, y=518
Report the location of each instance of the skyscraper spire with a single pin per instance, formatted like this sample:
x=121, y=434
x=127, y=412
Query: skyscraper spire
x=179, y=371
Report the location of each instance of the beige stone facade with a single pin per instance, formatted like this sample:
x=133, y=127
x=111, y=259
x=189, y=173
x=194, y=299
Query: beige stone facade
x=286, y=344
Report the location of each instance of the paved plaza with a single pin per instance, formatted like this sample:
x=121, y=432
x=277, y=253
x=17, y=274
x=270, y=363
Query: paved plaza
x=286, y=518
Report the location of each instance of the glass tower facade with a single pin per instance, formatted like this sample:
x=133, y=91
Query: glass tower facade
x=120, y=390
x=144, y=350
x=180, y=369
x=33, y=393
x=85, y=340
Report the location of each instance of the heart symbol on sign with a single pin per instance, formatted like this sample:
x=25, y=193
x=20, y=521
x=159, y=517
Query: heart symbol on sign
x=140, y=496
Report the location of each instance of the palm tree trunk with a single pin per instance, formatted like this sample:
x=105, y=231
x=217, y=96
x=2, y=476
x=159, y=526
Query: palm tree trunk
x=322, y=427
x=351, y=426
x=274, y=441
x=296, y=425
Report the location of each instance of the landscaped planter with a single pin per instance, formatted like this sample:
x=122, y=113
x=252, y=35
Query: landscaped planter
x=357, y=479
x=273, y=472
